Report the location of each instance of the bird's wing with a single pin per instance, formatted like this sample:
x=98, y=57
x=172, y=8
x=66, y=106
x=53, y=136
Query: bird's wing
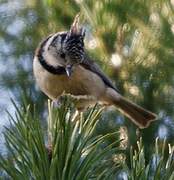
x=92, y=66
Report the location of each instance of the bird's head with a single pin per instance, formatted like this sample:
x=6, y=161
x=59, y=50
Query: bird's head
x=67, y=48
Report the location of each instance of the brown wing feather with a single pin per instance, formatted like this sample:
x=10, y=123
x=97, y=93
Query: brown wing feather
x=92, y=66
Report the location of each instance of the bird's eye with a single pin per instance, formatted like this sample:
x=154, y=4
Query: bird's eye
x=62, y=55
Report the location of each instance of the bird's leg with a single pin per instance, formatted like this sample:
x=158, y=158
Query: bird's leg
x=56, y=104
x=59, y=101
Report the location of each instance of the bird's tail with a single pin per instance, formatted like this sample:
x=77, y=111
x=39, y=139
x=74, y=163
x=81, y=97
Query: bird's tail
x=137, y=114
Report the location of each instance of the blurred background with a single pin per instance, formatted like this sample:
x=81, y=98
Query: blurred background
x=133, y=41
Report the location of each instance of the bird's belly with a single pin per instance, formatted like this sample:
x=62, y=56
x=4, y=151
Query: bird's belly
x=81, y=82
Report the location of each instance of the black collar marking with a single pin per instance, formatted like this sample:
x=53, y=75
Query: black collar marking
x=53, y=70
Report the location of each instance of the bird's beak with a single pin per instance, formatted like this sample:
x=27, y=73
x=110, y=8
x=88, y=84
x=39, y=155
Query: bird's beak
x=68, y=70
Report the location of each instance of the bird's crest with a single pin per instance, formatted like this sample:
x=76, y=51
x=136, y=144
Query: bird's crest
x=76, y=29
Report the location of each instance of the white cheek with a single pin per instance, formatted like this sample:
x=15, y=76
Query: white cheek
x=52, y=60
x=50, y=54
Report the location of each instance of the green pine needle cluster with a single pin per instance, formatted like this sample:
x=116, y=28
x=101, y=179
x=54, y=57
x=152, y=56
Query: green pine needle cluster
x=72, y=151
x=159, y=167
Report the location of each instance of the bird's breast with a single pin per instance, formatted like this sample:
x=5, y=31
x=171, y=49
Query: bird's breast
x=81, y=82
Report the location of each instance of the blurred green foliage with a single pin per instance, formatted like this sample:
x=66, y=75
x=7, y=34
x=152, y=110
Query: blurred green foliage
x=131, y=40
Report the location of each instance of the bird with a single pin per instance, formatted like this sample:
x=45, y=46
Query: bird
x=61, y=65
